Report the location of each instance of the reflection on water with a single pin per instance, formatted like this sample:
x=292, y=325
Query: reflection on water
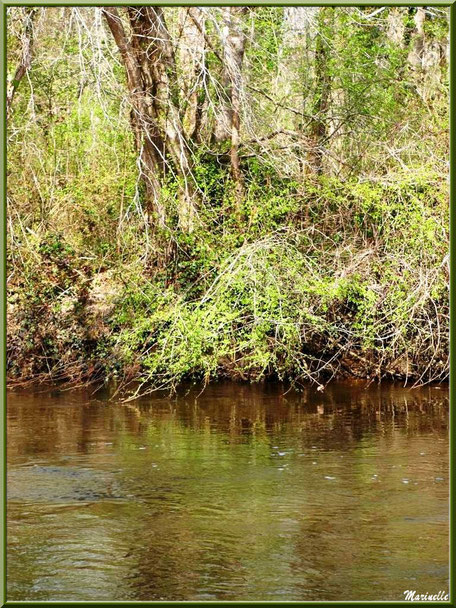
x=241, y=494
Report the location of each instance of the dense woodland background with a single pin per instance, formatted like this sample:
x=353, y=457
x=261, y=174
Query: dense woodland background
x=227, y=191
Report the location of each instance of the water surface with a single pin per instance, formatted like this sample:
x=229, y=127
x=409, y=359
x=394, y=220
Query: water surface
x=241, y=493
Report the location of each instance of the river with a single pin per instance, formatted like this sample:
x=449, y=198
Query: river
x=239, y=493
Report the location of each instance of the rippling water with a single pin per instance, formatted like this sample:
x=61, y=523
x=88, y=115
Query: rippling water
x=241, y=493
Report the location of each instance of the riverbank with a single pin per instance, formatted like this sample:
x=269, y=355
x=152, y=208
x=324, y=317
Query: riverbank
x=269, y=201
x=331, y=279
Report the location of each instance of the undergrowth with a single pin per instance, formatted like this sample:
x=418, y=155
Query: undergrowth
x=306, y=282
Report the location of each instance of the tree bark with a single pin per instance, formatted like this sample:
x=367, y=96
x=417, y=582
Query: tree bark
x=193, y=69
x=26, y=55
x=417, y=35
x=319, y=125
x=148, y=140
x=150, y=65
x=234, y=48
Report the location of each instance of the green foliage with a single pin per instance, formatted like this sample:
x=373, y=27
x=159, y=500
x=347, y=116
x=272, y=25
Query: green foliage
x=306, y=277
x=297, y=304
x=268, y=36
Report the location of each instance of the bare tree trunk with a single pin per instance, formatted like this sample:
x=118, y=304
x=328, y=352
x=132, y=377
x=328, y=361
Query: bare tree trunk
x=26, y=55
x=396, y=25
x=148, y=140
x=319, y=124
x=234, y=47
x=193, y=68
x=415, y=54
x=150, y=65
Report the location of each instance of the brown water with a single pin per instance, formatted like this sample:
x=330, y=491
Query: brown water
x=241, y=494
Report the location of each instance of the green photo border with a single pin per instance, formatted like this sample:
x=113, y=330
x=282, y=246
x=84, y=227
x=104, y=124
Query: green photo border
x=452, y=211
